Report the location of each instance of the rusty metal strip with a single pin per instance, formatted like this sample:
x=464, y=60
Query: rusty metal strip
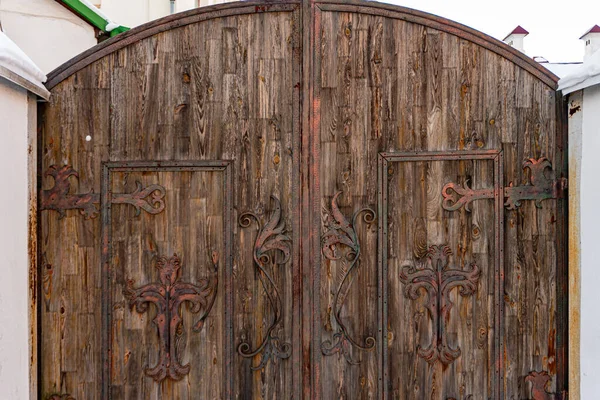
x=343, y=232
x=312, y=160
x=272, y=236
x=498, y=377
x=168, y=296
x=382, y=243
x=59, y=198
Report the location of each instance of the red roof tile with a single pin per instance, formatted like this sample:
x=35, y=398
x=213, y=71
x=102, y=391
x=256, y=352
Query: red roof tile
x=595, y=29
x=519, y=30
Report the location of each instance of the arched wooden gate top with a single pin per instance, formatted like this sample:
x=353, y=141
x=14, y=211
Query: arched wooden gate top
x=239, y=8
x=309, y=161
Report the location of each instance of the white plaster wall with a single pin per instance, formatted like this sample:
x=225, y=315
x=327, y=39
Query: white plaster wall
x=184, y=5
x=590, y=240
x=132, y=13
x=46, y=31
x=14, y=333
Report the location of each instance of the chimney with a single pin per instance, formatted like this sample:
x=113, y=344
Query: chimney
x=592, y=41
x=515, y=38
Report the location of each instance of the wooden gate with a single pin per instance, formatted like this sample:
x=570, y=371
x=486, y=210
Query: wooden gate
x=317, y=199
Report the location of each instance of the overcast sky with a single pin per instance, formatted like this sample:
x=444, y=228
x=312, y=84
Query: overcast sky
x=554, y=27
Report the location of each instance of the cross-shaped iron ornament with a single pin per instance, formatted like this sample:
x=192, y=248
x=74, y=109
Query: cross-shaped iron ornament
x=168, y=296
x=438, y=281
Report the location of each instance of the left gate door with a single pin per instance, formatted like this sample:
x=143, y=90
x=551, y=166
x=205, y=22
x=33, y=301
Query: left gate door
x=169, y=223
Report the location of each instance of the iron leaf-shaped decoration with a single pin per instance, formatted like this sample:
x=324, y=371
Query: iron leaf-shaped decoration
x=437, y=282
x=342, y=232
x=168, y=296
x=270, y=238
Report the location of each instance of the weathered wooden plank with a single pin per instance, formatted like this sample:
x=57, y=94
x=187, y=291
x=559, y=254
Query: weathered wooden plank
x=227, y=88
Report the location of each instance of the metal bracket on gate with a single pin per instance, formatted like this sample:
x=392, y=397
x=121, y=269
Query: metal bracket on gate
x=539, y=384
x=539, y=188
x=59, y=199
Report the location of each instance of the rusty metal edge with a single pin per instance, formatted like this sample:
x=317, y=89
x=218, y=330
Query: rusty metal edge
x=134, y=35
x=574, y=242
x=382, y=210
x=499, y=274
x=314, y=194
x=296, y=214
x=34, y=186
x=226, y=167
x=444, y=25
x=563, y=254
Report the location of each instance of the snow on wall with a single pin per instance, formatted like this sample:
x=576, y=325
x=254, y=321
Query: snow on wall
x=13, y=58
x=46, y=31
x=586, y=75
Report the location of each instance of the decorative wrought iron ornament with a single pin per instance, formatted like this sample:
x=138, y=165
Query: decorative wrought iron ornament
x=342, y=232
x=271, y=237
x=60, y=397
x=59, y=198
x=539, y=387
x=539, y=188
x=168, y=296
x=438, y=281
x=456, y=196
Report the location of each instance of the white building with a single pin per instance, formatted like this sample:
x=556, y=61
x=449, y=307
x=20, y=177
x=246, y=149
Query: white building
x=137, y=12
x=592, y=41
x=583, y=90
x=46, y=31
x=516, y=39
x=21, y=85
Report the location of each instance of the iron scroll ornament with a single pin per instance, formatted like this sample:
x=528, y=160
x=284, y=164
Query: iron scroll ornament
x=59, y=198
x=540, y=187
x=342, y=232
x=438, y=281
x=168, y=296
x=270, y=238
x=539, y=387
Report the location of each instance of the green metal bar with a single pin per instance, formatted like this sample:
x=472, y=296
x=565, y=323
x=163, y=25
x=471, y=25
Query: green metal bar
x=117, y=30
x=91, y=17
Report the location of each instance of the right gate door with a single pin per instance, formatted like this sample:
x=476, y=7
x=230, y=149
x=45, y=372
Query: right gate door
x=441, y=264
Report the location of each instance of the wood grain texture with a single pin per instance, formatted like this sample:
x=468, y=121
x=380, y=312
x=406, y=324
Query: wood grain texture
x=302, y=102
x=388, y=85
x=222, y=89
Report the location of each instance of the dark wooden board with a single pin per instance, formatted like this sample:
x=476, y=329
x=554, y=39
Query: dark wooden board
x=302, y=101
